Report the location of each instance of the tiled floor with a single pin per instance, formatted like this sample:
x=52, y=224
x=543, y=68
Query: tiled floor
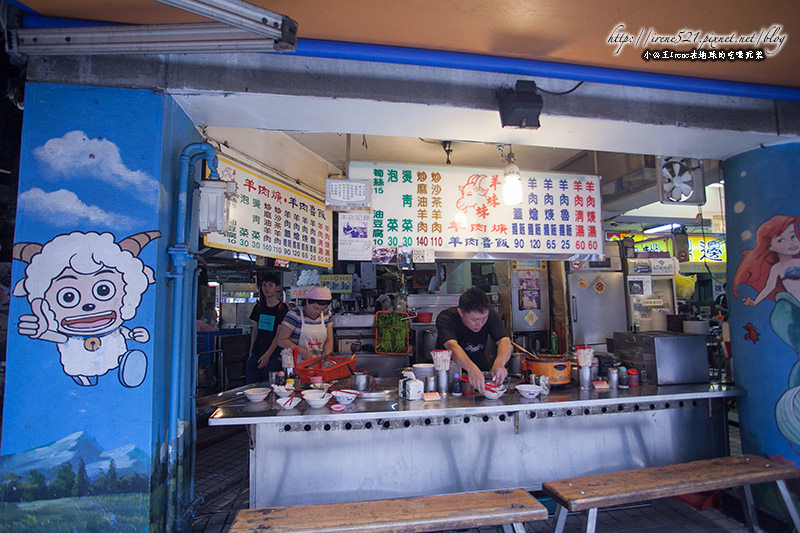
x=221, y=479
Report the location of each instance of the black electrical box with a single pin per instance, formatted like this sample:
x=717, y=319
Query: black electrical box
x=520, y=107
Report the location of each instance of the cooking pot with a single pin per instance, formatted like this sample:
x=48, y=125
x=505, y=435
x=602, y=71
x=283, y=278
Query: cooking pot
x=555, y=367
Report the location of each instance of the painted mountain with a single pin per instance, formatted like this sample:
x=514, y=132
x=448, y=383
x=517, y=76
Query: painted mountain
x=81, y=445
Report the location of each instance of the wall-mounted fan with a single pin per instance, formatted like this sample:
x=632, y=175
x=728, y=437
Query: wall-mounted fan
x=680, y=180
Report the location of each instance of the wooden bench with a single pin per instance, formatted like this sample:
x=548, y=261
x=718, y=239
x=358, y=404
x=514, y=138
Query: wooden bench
x=427, y=513
x=592, y=492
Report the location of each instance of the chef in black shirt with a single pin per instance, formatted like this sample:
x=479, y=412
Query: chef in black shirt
x=464, y=330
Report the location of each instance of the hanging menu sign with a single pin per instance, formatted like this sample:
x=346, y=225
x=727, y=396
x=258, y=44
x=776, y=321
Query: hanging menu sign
x=269, y=219
x=459, y=209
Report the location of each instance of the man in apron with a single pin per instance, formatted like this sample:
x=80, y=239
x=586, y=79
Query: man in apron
x=309, y=328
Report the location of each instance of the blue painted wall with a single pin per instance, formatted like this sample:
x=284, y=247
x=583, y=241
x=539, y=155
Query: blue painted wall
x=93, y=161
x=762, y=207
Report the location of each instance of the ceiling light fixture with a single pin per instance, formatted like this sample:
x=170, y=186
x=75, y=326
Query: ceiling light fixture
x=512, y=184
x=240, y=27
x=153, y=39
x=243, y=15
x=662, y=228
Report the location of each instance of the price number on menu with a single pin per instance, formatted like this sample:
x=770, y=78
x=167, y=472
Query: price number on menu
x=402, y=241
x=429, y=241
x=586, y=245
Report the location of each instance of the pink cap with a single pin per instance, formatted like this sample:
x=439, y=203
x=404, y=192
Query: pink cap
x=318, y=293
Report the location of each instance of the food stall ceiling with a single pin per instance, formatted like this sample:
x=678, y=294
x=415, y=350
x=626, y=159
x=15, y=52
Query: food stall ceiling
x=476, y=27
x=630, y=212
x=563, y=32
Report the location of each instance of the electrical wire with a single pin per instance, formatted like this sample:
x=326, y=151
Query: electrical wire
x=561, y=93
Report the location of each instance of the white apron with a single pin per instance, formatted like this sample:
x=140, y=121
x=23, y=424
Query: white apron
x=312, y=335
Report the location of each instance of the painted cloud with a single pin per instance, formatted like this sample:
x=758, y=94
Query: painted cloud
x=76, y=156
x=64, y=208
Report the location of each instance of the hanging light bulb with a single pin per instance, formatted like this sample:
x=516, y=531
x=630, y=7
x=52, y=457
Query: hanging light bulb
x=512, y=185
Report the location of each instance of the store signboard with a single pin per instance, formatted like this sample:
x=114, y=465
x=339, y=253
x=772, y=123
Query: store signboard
x=460, y=209
x=709, y=249
x=337, y=283
x=271, y=220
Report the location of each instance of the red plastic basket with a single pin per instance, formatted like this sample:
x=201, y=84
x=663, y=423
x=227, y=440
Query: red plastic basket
x=380, y=332
x=313, y=367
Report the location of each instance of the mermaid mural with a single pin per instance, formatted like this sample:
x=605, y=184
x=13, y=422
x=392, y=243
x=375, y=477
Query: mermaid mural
x=772, y=268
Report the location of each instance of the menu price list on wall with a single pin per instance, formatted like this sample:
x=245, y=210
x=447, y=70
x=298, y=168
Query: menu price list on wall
x=271, y=220
x=461, y=209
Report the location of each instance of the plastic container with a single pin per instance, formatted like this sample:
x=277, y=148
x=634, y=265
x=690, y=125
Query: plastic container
x=423, y=317
x=343, y=367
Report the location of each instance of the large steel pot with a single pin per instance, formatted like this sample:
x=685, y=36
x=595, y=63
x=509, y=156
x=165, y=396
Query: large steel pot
x=555, y=367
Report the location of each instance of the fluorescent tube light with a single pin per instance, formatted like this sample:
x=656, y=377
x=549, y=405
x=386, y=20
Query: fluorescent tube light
x=663, y=228
x=152, y=39
x=243, y=15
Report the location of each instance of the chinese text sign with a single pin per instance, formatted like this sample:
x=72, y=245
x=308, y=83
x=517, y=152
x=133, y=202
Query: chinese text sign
x=269, y=219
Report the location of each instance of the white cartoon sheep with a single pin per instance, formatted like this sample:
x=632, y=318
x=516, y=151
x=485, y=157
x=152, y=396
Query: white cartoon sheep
x=81, y=288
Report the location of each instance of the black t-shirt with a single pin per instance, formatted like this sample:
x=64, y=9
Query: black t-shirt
x=267, y=320
x=449, y=326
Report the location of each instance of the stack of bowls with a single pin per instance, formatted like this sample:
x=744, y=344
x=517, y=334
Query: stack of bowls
x=423, y=370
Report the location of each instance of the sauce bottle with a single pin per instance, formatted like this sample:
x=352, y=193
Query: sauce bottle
x=554, y=342
x=623, y=377
x=456, y=388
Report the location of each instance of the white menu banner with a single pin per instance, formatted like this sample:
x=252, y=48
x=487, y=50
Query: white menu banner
x=269, y=219
x=461, y=209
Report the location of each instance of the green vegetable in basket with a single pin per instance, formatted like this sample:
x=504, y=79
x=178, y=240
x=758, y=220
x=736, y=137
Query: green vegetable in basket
x=392, y=333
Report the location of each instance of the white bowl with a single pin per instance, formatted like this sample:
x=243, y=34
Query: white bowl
x=256, y=394
x=289, y=403
x=493, y=395
x=527, y=391
x=422, y=370
x=318, y=402
x=312, y=393
x=345, y=396
x=281, y=391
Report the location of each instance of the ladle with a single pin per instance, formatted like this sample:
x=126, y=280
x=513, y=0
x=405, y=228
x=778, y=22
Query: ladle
x=517, y=346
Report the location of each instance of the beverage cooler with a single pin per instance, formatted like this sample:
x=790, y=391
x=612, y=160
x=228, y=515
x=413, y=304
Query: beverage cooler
x=650, y=289
x=596, y=299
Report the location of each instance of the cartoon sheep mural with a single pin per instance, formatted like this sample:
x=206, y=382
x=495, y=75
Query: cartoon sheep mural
x=81, y=288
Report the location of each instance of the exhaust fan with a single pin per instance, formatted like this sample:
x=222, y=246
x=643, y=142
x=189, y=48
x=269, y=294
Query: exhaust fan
x=681, y=181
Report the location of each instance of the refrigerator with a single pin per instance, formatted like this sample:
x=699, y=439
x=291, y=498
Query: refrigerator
x=596, y=299
x=650, y=289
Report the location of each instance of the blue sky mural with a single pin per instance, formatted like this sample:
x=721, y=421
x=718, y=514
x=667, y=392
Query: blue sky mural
x=92, y=176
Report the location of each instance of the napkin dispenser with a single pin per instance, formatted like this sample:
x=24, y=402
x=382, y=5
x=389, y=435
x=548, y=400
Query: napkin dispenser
x=409, y=387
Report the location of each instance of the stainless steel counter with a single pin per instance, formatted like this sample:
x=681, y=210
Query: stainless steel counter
x=391, y=448
x=239, y=411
